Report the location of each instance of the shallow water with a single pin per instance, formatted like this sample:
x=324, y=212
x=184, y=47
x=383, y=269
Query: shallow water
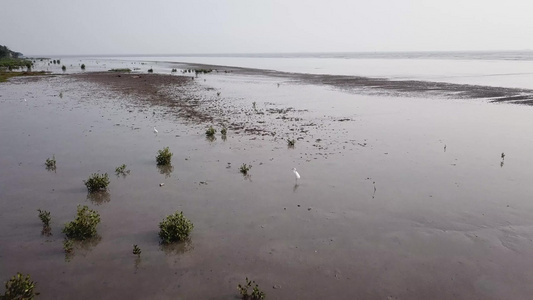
x=383, y=209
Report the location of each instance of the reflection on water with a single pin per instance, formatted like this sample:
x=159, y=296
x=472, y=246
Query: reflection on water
x=211, y=138
x=99, y=197
x=165, y=170
x=178, y=248
x=81, y=247
x=136, y=263
x=296, y=185
x=47, y=231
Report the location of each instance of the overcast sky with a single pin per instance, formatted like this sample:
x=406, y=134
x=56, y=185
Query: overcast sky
x=263, y=26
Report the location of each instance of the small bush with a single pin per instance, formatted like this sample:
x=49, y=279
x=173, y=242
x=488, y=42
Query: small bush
x=136, y=250
x=51, y=163
x=175, y=228
x=163, y=157
x=83, y=67
x=97, y=182
x=63, y=68
x=210, y=131
x=174, y=70
x=19, y=287
x=224, y=131
x=150, y=70
x=245, y=168
x=84, y=226
x=256, y=294
x=45, y=217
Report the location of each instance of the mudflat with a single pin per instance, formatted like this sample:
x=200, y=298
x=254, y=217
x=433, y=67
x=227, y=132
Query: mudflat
x=401, y=195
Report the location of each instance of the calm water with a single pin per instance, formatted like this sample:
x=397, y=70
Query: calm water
x=506, y=69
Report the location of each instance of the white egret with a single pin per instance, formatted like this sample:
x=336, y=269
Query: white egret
x=155, y=131
x=296, y=174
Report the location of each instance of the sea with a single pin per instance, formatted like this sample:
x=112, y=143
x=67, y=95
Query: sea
x=491, y=68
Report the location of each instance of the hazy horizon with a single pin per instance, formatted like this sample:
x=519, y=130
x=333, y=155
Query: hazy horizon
x=61, y=27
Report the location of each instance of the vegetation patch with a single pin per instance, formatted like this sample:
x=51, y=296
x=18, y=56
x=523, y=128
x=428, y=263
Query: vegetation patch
x=125, y=70
x=175, y=228
x=4, y=76
x=136, y=250
x=84, y=226
x=256, y=293
x=97, y=182
x=45, y=217
x=19, y=287
x=83, y=67
x=68, y=246
x=164, y=156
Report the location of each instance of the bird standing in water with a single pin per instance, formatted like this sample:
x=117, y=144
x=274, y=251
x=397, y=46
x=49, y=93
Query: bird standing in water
x=296, y=174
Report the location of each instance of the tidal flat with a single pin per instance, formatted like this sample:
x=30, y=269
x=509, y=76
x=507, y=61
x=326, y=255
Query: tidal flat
x=399, y=197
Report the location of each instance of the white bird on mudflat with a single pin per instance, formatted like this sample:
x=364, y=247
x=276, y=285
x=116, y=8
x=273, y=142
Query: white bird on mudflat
x=155, y=131
x=296, y=174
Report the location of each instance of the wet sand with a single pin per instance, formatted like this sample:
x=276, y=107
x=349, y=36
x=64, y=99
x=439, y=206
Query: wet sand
x=400, y=198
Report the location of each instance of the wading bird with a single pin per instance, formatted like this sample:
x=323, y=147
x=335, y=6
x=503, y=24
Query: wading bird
x=296, y=174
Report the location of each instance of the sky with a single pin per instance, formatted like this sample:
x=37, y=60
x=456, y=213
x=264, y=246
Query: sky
x=79, y=27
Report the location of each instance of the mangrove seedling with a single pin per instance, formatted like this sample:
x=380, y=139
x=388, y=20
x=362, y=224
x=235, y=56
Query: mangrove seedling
x=45, y=217
x=19, y=287
x=136, y=250
x=163, y=157
x=256, y=294
x=122, y=170
x=84, y=226
x=175, y=228
x=68, y=245
x=83, y=67
x=224, y=131
x=290, y=143
x=97, y=182
x=245, y=168
x=210, y=131
x=63, y=68
x=51, y=163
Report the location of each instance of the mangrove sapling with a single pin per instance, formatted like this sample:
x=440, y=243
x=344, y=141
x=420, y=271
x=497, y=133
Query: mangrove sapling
x=256, y=294
x=163, y=157
x=175, y=228
x=290, y=143
x=84, y=226
x=83, y=67
x=97, y=182
x=210, y=131
x=136, y=250
x=63, y=68
x=45, y=217
x=19, y=287
x=245, y=168
x=51, y=163
x=224, y=131
x=122, y=170
x=150, y=70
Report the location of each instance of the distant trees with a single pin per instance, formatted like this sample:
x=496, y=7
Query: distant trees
x=6, y=53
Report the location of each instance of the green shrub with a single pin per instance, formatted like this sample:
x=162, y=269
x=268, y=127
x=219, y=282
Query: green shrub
x=163, y=157
x=256, y=294
x=84, y=226
x=175, y=228
x=83, y=67
x=45, y=217
x=19, y=287
x=63, y=68
x=245, y=168
x=97, y=182
x=210, y=131
x=150, y=70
